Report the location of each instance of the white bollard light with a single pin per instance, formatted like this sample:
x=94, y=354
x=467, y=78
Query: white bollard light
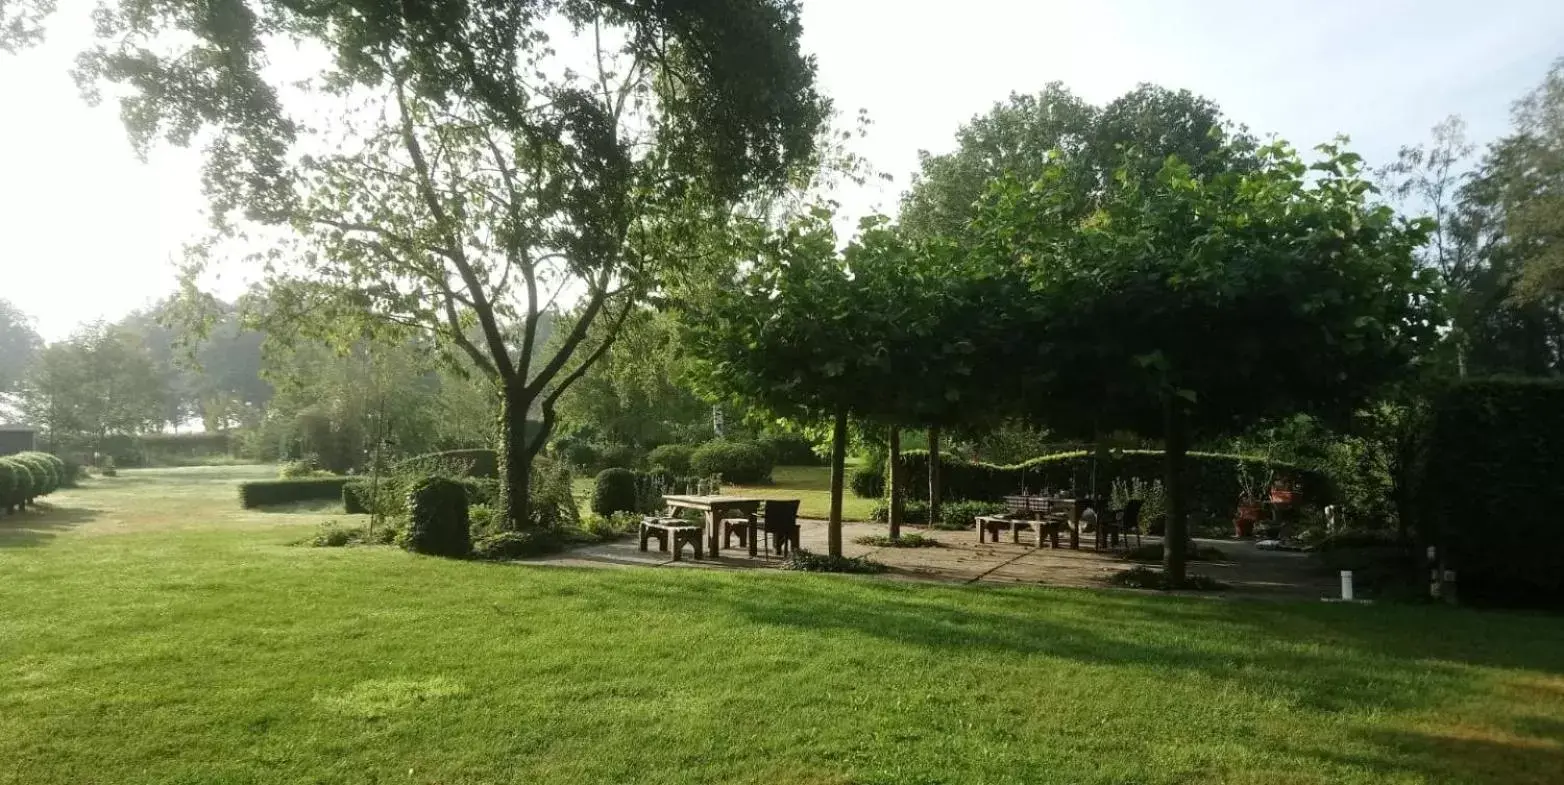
x=1346, y=584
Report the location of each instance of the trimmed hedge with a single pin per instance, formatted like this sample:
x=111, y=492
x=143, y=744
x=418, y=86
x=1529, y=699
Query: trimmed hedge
x=672, y=458
x=45, y=471
x=438, y=523
x=480, y=462
x=867, y=482
x=790, y=449
x=1211, y=478
x=1489, y=493
x=260, y=493
x=615, y=491
x=14, y=483
x=738, y=462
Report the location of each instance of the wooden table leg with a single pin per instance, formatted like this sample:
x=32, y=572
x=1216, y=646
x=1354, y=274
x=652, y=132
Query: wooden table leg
x=714, y=537
x=754, y=533
x=1075, y=528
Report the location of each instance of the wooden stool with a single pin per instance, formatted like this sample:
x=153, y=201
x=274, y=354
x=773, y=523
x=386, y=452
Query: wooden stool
x=672, y=532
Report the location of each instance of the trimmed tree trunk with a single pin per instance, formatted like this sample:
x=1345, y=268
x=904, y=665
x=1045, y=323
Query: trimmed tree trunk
x=515, y=461
x=838, y=467
x=893, y=482
x=933, y=475
x=1177, y=531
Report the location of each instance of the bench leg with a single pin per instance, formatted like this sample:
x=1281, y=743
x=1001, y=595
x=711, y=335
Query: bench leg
x=644, y=536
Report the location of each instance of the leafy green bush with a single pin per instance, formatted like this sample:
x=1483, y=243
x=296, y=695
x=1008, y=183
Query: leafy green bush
x=913, y=512
x=356, y=497
x=507, y=545
x=1147, y=578
x=737, y=462
x=454, y=463
x=1211, y=478
x=615, y=491
x=10, y=495
x=804, y=561
x=292, y=470
x=71, y=471
x=789, y=449
x=46, y=478
x=618, y=456
x=609, y=527
x=260, y=493
x=672, y=458
x=20, y=483
x=959, y=515
x=1489, y=493
x=905, y=541
x=867, y=482
x=582, y=455
x=438, y=523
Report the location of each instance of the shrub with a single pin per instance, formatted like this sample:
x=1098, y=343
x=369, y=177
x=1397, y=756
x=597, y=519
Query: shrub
x=456, y=463
x=603, y=528
x=261, y=493
x=437, y=518
x=618, y=456
x=615, y=491
x=790, y=449
x=736, y=462
x=913, y=512
x=21, y=483
x=71, y=471
x=672, y=458
x=9, y=496
x=582, y=455
x=905, y=541
x=1488, y=492
x=1147, y=578
x=292, y=470
x=504, y=546
x=867, y=482
x=45, y=477
x=959, y=515
x=804, y=561
x=1211, y=478
x=332, y=535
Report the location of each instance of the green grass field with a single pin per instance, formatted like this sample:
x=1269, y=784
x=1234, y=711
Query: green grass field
x=152, y=632
x=809, y=484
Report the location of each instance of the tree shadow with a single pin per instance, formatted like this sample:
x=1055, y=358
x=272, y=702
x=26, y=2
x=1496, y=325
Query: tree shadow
x=1463, y=755
x=36, y=526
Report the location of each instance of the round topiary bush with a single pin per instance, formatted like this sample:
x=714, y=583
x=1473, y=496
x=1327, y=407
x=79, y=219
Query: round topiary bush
x=437, y=518
x=615, y=492
x=672, y=458
x=739, y=462
x=618, y=456
x=867, y=482
x=8, y=482
x=581, y=455
x=45, y=479
x=21, y=483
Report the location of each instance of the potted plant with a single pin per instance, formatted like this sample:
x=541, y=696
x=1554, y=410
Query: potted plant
x=1283, y=493
x=1254, y=481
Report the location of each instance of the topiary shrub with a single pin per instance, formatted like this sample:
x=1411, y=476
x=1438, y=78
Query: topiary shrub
x=438, y=524
x=618, y=456
x=736, y=462
x=21, y=484
x=867, y=482
x=8, y=481
x=581, y=455
x=46, y=479
x=671, y=458
x=1488, y=493
x=790, y=449
x=261, y=493
x=615, y=491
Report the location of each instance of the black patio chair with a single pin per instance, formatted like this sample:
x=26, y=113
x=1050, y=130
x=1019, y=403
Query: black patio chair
x=779, y=522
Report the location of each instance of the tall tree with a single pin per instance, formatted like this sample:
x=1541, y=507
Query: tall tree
x=1153, y=307
x=19, y=345
x=475, y=168
x=102, y=381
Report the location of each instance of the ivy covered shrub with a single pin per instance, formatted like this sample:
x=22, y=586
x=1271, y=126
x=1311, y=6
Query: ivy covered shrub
x=1490, y=489
x=867, y=482
x=615, y=491
x=744, y=463
x=437, y=518
x=671, y=458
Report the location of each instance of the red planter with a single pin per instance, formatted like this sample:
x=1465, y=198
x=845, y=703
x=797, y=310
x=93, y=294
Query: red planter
x=1283, y=498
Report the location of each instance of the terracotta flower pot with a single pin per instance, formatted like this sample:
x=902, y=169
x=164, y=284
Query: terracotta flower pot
x=1283, y=498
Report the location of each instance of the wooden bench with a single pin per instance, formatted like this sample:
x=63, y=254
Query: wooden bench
x=672, y=532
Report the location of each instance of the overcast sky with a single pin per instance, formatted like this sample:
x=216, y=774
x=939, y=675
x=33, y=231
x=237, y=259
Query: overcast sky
x=87, y=231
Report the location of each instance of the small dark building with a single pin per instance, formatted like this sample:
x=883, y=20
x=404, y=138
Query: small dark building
x=17, y=438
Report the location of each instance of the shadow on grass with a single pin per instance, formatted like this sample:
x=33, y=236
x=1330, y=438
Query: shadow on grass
x=36, y=526
x=1471, y=757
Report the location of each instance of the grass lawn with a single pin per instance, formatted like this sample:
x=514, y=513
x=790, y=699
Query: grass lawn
x=152, y=632
x=810, y=484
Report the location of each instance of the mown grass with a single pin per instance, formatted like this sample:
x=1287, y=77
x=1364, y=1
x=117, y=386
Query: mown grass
x=154, y=633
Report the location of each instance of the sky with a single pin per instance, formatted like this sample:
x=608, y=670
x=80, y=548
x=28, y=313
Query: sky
x=88, y=231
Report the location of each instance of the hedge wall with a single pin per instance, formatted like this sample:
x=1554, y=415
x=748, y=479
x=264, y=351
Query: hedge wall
x=264, y=492
x=1490, y=489
x=481, y=462
x=1212, y=478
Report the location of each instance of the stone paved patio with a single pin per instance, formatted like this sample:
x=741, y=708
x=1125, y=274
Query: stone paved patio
x=1251, y=572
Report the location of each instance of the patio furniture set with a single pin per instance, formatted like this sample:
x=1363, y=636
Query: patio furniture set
x=754, y=521
x=1047, y=515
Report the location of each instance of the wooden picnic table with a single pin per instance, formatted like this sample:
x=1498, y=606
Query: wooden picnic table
x=714, y=508
x=1041, y=509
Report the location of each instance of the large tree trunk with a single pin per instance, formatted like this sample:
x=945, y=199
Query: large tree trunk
x=515, y=460
x=838, y=466
x=934, y=464
x=1177, y=531
x=893, y=482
